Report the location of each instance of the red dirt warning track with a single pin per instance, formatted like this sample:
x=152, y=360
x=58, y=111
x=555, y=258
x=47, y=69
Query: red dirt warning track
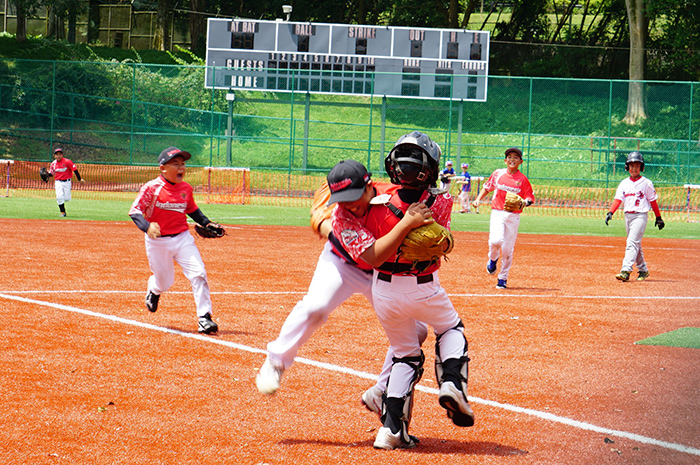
x=89, y=376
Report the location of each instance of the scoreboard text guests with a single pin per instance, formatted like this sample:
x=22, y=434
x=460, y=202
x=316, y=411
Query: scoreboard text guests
x=285, y=56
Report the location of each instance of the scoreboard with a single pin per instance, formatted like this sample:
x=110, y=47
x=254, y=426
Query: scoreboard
x=286, y=56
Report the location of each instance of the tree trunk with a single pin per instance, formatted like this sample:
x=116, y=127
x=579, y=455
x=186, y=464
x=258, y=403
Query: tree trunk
x=197, y=24
x=471, y=6
x=72, y=22
x=162, y=38
x=453, y=13
x=21, y=35
x=639, y=31
x=93, y=21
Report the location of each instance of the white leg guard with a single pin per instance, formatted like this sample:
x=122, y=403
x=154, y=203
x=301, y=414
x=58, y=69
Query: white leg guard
x=452, y=376
x=397, y=411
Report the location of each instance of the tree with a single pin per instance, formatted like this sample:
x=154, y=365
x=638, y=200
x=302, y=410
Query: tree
x=162, y=36
x=639, y=32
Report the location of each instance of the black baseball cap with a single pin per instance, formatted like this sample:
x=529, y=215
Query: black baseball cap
x=347, y=181
x=516, y=151
x=170, y=153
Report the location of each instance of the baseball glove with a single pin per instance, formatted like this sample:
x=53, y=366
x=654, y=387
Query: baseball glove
x=210, y=231
x=513, y=202
x=320, y=210
x=429, y=242
x=44, y=174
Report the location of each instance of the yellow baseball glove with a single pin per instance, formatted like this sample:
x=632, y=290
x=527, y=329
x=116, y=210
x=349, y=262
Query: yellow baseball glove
x=429, y=242
x=513, y=202
x=320, y=210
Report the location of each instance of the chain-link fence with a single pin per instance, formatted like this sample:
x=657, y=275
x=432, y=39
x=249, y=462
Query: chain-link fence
x=571, y=130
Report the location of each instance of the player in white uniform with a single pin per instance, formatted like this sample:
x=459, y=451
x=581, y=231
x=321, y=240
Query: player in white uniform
x=336, y=278
x=406, y=292
x=159, y=211
x=637, y=196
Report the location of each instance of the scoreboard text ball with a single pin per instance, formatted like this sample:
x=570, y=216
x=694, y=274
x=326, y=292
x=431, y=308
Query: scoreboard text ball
x=285, y=56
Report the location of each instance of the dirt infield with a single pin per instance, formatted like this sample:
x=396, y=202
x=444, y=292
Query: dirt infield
x=90, y=377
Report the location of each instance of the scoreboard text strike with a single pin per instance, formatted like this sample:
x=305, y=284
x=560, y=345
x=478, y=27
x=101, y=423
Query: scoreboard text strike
x=285, y=56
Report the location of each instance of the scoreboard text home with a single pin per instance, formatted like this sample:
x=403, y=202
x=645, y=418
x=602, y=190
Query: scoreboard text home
x=285, y=56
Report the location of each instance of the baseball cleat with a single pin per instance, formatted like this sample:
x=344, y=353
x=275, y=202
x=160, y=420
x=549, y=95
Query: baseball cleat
x=455, y=402
x=372, y=400
x=643, y=275
x=491, y=266
x=63, y=215
x=268, y=378
x=152, y=301
x=389, y=441
x=501, y=284
x=623, y=276
x=206, y=325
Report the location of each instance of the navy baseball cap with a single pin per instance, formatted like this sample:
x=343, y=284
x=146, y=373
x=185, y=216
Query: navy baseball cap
x=58, y=150
x=516, y=151
x=347, y=181
x=170, y=153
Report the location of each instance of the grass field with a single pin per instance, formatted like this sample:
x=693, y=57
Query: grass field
x=94, y=210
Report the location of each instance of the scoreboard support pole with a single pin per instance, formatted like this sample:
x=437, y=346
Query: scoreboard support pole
x=307, y=111
x=230, y=97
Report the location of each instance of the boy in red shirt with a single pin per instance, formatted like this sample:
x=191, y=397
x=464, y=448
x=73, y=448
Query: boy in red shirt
x=504, y=225
x=62, y=170
x=159, y=211
x=406, y=293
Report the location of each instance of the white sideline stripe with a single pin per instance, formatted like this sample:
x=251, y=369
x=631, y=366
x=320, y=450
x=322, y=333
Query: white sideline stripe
x=365, y=375
x=502, y=294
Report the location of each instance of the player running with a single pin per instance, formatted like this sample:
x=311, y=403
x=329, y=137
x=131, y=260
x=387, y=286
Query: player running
x=505, y=221
x=62, y=170
x=159, y=211
x=409, y=292
x=336, y=278
x=637, y=196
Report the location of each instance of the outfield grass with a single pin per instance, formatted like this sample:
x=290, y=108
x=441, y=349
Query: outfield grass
x=98, y=210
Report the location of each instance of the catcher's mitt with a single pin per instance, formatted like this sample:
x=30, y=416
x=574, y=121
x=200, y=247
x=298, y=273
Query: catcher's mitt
x=210, y=231
x=429, y=242
x=513, y=202
x=44, y=174
x=320, y=210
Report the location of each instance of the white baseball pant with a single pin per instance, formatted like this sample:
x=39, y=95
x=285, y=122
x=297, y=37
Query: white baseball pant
x=334, y=281
x=400, y=304
x=635, y=225
x=162, y=252
x=63, y=189
x=503, y=231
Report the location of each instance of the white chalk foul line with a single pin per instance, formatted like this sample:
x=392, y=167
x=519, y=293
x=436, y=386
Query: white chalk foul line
x=500, y=294
x=361, y=374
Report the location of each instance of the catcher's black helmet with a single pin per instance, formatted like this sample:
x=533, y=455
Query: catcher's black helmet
x=414, y=161
x=634, y=157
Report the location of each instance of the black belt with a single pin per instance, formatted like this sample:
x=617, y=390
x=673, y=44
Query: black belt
x=170, y=235
x=422, y=279
x=62, y=180
x=397, y=268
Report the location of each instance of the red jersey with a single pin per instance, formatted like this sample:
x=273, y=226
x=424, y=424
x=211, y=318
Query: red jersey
x=502, y=183
x=62, y=169
x=358, y=234
x=343, y=219
x=165, y=203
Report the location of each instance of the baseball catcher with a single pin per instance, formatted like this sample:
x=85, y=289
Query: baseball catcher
x=44, y=174
x=210, y=230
